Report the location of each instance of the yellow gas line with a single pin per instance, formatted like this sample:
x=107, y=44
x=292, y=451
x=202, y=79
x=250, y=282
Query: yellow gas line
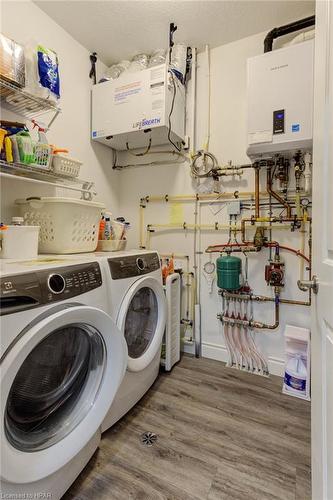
x=201, y=196
x=174, y=255
x=183, y=198
x=207, y=196
x=185, y=225
x=214, y=227
x=141, y=226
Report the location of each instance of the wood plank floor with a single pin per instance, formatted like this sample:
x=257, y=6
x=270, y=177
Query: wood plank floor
x=222, y=435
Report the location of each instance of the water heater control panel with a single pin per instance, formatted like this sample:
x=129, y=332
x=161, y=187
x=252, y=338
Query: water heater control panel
x=278, y=121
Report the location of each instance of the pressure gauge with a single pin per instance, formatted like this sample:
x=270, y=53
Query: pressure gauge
x=305, y=202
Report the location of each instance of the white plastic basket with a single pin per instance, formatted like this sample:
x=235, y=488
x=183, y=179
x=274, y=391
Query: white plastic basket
x=43, y=156
x=67, y=225
x=64, y=165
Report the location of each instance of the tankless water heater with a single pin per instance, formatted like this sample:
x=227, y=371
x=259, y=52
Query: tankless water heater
x=280, y=100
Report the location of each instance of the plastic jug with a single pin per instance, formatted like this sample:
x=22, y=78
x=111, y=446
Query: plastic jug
x=295, y=374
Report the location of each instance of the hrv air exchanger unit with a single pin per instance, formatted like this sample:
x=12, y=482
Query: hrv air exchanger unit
x=280, y=100
x=137, y=109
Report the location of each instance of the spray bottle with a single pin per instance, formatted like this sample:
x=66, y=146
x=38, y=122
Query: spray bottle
x=42, y=139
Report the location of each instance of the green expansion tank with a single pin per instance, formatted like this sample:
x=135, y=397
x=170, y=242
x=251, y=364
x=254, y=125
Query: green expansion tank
x=228, y=270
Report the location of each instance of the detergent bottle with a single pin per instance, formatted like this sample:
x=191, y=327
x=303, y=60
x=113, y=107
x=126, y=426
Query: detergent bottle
x=295, y=375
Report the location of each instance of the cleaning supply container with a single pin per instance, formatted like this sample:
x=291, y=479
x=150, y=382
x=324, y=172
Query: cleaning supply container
x=19, y=242
x=67, y=225
x=111, y=245
x=295, y=375
x=229, y=269
x=117, y=230
x=25, y=147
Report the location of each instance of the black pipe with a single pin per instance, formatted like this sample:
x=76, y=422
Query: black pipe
x=287, y=28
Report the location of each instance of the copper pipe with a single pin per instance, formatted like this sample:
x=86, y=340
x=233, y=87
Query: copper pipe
x=257, y=192
x=232, y=247
x=296, y=302
x=256, y=324
x=263, y=298
x=275, y=195
x=275, y=244
x=265, y=326
x=272, y=219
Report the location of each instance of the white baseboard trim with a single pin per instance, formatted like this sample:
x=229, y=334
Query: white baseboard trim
x=219, y=352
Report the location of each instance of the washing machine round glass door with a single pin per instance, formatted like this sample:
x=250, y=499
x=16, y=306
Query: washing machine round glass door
x=141, y=319
x=58, y=382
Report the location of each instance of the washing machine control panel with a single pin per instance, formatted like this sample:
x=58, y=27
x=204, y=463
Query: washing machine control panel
x=25, y=291
x=71, y=281
x=130, y=266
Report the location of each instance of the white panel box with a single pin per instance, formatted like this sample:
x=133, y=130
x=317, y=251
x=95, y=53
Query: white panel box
x=280, y=100
x=129, y=111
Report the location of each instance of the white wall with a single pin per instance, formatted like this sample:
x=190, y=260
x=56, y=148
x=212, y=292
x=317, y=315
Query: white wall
x=228, y=142
x=24, y=22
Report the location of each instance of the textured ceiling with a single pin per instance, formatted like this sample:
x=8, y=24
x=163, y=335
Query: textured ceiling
x=117, y=29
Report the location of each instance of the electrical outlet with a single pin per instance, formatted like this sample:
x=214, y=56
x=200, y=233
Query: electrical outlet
x=234, y=207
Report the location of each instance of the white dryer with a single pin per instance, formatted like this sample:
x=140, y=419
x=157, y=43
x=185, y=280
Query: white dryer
x=62, y=361
x=137, y=304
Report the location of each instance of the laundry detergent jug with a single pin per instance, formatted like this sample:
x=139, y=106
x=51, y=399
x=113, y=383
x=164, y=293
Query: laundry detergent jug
x=295, y=374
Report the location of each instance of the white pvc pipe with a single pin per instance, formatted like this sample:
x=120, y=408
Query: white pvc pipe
x=197, y=330
x=207, y=52
x=193, y=98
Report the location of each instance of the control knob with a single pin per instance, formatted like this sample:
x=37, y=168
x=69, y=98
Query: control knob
x=140, y=263
x=56, y=283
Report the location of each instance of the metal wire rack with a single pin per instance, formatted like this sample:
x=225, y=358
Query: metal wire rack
x=25, y=104
x=39, y=175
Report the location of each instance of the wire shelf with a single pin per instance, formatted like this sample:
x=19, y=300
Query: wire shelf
x=40, y=175
x=25, y=104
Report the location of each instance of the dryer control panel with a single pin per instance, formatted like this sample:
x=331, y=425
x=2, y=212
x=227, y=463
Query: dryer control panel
x=25, y=291
x=131, y=266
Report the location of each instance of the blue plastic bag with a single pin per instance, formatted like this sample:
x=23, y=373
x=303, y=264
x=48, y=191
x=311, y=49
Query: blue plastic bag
x=48, y=70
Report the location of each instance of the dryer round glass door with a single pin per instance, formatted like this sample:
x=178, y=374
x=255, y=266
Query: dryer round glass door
x=142, y=318
x=58, y=382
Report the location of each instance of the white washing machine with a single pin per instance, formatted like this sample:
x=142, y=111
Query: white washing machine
x=62, y=361
x=137, y=304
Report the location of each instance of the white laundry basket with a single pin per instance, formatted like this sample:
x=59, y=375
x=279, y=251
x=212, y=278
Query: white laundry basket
x=67, y=225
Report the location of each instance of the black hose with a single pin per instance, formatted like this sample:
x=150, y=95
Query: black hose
x=287, y=28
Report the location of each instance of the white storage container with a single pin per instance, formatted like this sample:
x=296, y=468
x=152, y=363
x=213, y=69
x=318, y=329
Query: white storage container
x=19, y=242
x=111, y=245
x=67, y=225
x=64, y=165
